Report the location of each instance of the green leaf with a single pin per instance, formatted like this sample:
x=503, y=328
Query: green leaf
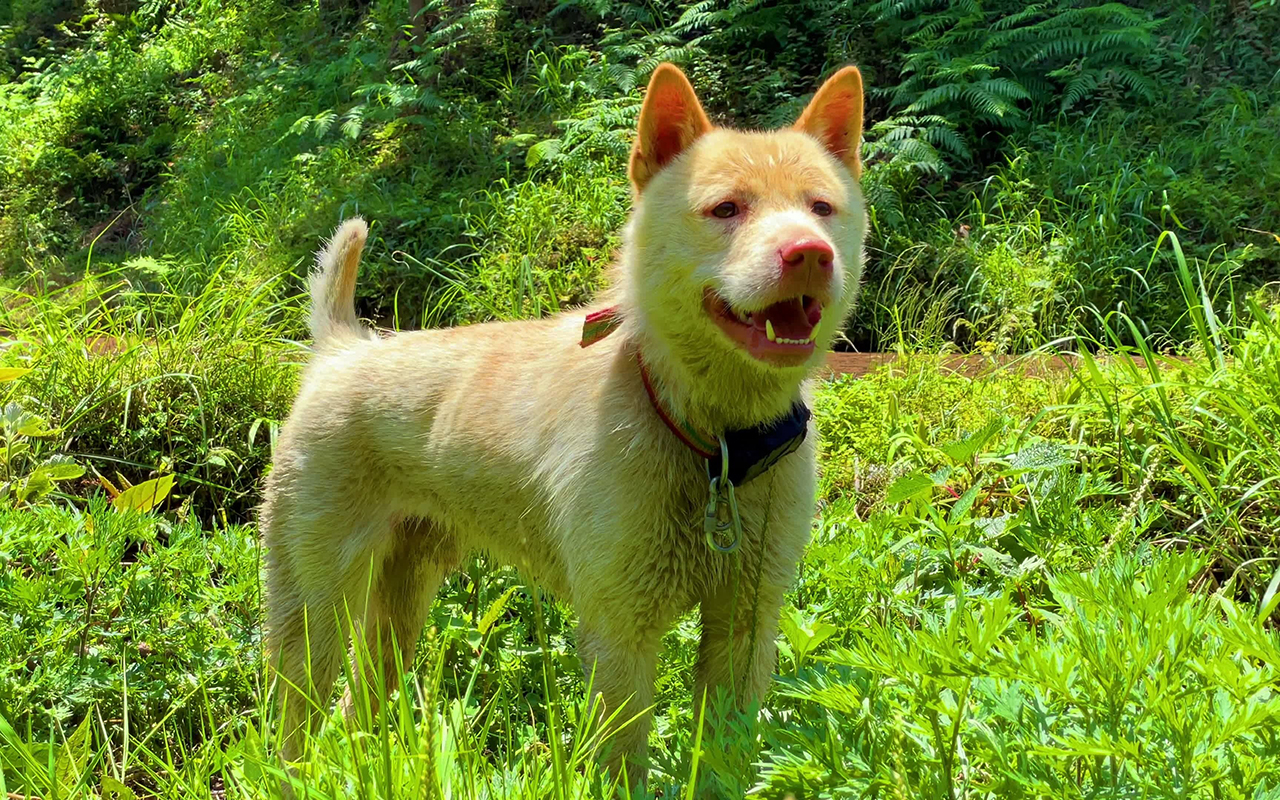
x=144, y=496
x=965, y=502
x=804, y=632
x=34, y=486
x=963, y=451
x=909, y=487
x=547, y=149
x=219, y=456
x=61, y=468
x=1000, y=562
x=1039, y=457
x=73, y=755
x=495, y=610
x=1270, y=598
x=23, y=422
x=113, y=789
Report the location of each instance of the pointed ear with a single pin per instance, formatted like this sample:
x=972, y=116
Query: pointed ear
x=834, y=117
x=670, y=120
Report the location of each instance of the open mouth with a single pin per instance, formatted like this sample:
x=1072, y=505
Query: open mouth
x=781, y=333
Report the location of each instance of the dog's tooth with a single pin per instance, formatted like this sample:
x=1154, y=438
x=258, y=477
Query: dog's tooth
x=768, y=330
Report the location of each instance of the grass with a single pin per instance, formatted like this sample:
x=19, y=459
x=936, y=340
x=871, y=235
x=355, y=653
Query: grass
x=918, y=660
x=143, y=380
x=1058, y=585
x=1018, y=587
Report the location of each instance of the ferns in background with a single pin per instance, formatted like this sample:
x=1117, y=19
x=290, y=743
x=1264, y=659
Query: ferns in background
x=284, y=130
x=915, y=143
x=634, y=41
x=951, y=71
x=1002, y=66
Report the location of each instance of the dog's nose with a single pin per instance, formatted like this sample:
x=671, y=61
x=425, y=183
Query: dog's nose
x=808, y=252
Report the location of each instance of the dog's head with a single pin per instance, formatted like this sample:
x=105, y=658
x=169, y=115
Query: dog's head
x=745, y=248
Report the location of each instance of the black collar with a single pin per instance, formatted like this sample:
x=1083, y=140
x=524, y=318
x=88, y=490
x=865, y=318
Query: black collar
x=752, y=451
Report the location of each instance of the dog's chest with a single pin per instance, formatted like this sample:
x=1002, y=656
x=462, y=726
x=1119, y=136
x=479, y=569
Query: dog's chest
x=680, y=549
x=675, y=565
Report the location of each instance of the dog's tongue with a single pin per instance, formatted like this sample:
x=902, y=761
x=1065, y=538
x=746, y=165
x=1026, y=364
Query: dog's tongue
x=790, y=319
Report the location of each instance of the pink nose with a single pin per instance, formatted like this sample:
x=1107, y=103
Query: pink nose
x=806, y=253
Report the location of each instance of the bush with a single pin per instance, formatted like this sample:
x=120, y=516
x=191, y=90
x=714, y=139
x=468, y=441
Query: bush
x=150, y=382
x=108, y=613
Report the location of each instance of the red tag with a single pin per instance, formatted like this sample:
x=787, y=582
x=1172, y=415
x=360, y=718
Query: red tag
x=599, y=324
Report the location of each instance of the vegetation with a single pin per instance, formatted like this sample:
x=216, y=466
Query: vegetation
x=1033, y=582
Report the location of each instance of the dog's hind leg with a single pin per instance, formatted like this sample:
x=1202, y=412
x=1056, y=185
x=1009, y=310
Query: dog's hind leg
x=304, y=649
x=316, y=588
x=420, y=558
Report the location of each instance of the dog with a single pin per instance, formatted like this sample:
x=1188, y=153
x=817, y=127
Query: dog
x=635, y=458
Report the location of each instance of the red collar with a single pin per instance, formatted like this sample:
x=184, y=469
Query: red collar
x=751, y=451
x=697, y=441
x=600, y=324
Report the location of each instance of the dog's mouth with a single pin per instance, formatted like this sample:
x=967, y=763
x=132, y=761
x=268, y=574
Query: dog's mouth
x=780, y=334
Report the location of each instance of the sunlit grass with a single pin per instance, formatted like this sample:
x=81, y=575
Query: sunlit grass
x=1050, y=585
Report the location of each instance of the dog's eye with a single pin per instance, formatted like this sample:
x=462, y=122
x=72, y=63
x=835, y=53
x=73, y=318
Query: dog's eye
x=725, y=210
x=822, y=208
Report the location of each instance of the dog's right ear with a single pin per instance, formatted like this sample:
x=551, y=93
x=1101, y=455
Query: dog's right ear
x=834, y=117
x=670, y=120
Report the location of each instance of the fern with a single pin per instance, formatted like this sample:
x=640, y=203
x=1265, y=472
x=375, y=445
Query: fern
x=353, y=122
x=995, y=65
x=601, y=130
x=924, y=144
x=1079, y=87
x=322, y=122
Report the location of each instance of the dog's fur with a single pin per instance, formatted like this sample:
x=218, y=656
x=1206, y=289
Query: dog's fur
x=403, y=455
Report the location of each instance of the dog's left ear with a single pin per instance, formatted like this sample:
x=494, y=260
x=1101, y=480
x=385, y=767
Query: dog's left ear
x=671, y=119
x=834, y=117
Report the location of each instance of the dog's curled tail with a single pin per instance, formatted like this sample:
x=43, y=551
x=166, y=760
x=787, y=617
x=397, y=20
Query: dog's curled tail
x=333, y=287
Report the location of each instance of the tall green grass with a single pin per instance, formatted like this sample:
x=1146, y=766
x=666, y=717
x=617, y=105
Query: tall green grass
x=924, y=655
x=1062, y=585
x=142, y=379
x=1195, y=434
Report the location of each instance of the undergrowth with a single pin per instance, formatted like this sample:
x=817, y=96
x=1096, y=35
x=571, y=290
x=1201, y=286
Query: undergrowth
x=1056, y=578
x=996, y=644
x=1060, y=582
x=1021, y=160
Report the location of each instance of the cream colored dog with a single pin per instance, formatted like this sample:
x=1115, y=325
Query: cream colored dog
x=403, y=455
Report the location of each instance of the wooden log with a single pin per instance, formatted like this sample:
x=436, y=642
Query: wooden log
x=970, y=365
x=1033, y=365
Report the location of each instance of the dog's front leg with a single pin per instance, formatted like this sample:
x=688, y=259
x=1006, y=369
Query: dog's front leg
x=738, y=649
x=620, y=659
